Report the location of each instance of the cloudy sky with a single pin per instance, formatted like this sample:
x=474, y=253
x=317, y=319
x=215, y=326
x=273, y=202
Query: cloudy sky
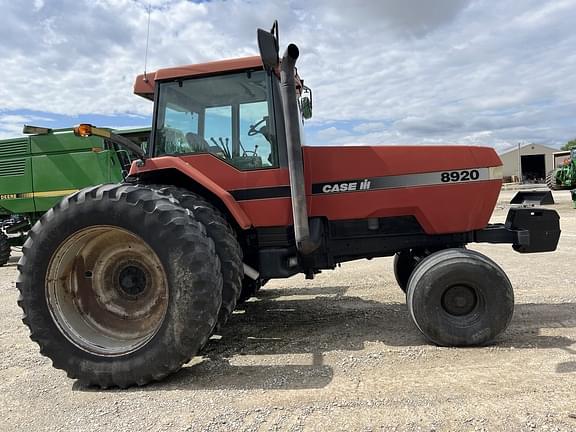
x=383, y=71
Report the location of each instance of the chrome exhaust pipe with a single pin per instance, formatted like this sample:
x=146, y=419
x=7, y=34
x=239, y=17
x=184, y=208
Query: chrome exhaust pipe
x=304, y=243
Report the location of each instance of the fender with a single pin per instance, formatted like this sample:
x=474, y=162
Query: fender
x=171, y=162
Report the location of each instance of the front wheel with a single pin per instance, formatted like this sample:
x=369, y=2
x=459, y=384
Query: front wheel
x=404, y=264
x=119, y=285
x=459, y=297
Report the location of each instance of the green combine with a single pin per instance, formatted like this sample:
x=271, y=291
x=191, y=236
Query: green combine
x=565, y=176
x=37, y=170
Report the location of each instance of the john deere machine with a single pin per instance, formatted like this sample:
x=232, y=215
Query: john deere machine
x=37, y=170
x=122, y=284
x=563, y=177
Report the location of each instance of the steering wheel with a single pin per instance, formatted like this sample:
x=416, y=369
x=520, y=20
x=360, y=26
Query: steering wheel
x=254, y=128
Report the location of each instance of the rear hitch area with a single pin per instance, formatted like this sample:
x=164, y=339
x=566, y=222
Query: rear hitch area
x=529, y=230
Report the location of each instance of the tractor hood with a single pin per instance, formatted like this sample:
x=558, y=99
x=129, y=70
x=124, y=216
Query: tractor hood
x=448, y=188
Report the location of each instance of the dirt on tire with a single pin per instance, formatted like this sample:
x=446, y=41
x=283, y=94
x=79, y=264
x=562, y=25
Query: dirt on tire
x=90, y=329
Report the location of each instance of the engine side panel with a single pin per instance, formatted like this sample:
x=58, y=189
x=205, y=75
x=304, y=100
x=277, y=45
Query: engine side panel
x=447, y=188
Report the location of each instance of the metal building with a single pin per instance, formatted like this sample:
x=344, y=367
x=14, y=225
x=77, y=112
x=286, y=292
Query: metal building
x=529, y=163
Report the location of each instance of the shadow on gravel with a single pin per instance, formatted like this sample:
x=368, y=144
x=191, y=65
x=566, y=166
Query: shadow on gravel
x=301, y=327
x=530, y=318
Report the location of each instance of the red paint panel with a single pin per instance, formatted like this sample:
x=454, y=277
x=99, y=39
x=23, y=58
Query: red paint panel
x=144, y=85
x=440, y=209
x=351, y=162
x=222, y=178
x=269, y=212
x=230, y=178
x=170, y=162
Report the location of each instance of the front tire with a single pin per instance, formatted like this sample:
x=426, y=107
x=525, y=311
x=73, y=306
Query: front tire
x=119, y=285
x=459, y=297
x=404, y=264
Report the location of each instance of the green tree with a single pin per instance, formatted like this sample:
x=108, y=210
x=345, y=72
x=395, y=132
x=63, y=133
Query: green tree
x=569, y=145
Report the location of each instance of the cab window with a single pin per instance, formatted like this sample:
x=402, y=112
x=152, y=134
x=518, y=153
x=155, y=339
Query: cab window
x=227, y=116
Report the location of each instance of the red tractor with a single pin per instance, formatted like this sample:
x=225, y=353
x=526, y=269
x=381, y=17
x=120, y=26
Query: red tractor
x=122, y=284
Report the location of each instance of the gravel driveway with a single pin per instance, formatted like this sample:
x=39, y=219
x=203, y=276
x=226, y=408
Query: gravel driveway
x=335, y=353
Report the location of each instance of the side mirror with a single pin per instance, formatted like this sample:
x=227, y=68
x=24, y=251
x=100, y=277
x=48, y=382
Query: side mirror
x=268, y=46
x=306, y=103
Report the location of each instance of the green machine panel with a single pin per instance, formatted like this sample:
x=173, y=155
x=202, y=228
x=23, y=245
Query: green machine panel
x=38, y=170
x=15, y=177
x=58, y=175
x=62, y=141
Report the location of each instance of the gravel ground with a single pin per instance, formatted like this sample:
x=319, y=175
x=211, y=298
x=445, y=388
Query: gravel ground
x=335, y=353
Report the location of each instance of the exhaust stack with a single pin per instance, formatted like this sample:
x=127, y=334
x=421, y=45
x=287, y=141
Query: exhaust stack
x=304, y=243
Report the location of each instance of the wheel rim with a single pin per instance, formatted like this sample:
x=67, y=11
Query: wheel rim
x=459, y=300
x=107, y=290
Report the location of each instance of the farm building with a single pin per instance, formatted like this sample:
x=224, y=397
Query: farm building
x=529, y=163
x=561, y=157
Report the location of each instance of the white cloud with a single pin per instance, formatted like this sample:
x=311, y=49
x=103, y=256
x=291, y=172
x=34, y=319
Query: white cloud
x=369, y=127
x=11, y=125
x=477, y=71
x=38, y=4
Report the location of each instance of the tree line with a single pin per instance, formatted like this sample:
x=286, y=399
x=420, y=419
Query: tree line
x=569, y=145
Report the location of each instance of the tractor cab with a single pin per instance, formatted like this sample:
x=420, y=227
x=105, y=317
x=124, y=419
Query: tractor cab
x=230, y=109
x=230, y=116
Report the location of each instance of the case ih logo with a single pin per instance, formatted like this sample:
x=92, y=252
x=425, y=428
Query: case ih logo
x=360, y=185
x=407, y=180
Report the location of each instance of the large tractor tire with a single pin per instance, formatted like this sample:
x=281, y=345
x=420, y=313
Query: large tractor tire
x=227, y=247
x=551, y=181
x=552, y=184
x=5, y=249
x=119, y=285
x=459, y=297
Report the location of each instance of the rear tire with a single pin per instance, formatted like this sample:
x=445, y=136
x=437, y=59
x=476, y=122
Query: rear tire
x=249, y=289
x=459, y=297
x=551, y=182
x=227, y=246
x=5, y=249
x=119, y=285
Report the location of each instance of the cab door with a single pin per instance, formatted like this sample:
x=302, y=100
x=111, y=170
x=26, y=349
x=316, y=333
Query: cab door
x=224, y=126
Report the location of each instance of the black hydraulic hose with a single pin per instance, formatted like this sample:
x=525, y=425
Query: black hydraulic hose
x=304, y=243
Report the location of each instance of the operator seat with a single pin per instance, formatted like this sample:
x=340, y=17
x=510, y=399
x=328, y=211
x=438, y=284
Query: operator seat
x=197, y=143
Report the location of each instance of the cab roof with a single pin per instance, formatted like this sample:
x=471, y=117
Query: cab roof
x=144, y=85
